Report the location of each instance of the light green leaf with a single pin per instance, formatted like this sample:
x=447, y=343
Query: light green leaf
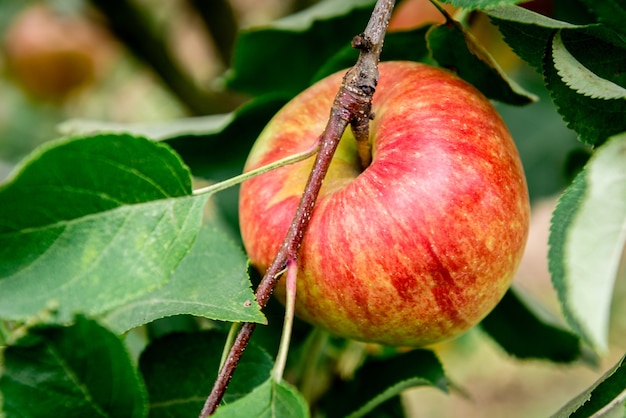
x=605, y=398
x=97, y=262
x=272, y=399
x=211, y=282
x=587, y=239
x=78, y=371
x=581, y=79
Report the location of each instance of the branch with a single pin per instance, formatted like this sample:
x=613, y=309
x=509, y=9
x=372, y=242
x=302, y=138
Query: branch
x=352, y=105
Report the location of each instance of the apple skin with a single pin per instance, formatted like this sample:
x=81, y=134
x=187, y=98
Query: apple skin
x=421, y=245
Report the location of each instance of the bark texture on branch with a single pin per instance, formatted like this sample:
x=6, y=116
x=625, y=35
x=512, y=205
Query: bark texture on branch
x=352, y=106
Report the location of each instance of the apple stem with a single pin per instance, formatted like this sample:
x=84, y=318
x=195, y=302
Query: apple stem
x=352, y=105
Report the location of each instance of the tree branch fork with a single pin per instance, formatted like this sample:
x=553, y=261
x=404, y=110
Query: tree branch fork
x=352, y=106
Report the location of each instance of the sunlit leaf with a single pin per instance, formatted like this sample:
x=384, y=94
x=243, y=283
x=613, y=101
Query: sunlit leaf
x=89, y=223
x=587, y=239
x=78, y=371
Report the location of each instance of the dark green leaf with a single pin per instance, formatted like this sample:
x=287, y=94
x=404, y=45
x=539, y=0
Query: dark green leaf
x=89, y=223
x=211, y=282
x=527, y=33
x=272, y=399
x=525, y=334
x=458, y=50
x=78, y=371
x=380, y=380
x=610, y=12
x=605, y=398
x=399, y=46
x=179, y=370
x=284, y=56
x=591, y=105
x=587, y=238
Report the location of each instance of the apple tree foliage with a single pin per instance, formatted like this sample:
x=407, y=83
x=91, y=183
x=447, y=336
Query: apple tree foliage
x=118, y=283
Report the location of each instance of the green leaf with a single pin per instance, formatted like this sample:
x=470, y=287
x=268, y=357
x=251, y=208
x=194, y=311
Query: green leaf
x=591, y=105
x=605, y=398
x=211, y=282
x=272, y=399
x=527, y=33
x=89, y=223
x=587, y=238
x=539, y=339
x=179, y=370
x=309, y=37
x=78, y=371
x=379, y=380
x=157, y=131
x=610, y=12
x=458, y=50
x=480, y=4
x=407, y=45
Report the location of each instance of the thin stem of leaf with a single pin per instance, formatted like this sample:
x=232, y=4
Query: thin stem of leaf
x=233, y=181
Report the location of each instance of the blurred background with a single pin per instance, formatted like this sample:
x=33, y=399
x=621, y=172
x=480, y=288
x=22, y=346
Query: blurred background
x=148, y=60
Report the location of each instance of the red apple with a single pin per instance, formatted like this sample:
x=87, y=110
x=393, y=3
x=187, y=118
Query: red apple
x=423, y=243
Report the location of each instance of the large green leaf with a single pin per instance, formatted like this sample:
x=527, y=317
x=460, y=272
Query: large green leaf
x=540, y=337
x=89, y=223
x=272, y=399
x=454, y=48
x=180, y=368
x=91, y=245
x=588, y=87
x=211, y=282
x=605, y=398
x=78, y=371
x=587, y=240
x=300, y=44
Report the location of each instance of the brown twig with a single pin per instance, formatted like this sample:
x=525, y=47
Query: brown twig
x=352, y=105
